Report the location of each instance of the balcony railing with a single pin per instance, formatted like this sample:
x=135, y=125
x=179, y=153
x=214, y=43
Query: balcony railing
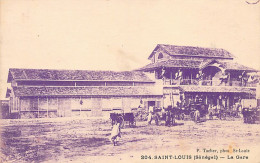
x=206, y=82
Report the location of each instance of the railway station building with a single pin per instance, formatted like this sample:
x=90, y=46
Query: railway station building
x=176, y=74
x=188, y=74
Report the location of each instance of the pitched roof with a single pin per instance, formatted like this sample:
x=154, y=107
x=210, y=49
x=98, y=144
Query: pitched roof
x=226, y=89
x=87, y=91
x=236, y=66
x=173, y=63
x=195, y=64
x=48, y=74
x=231, y=65
x=192, y=51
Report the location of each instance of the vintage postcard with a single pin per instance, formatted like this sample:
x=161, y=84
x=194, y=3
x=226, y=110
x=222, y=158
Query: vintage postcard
x=130, y=81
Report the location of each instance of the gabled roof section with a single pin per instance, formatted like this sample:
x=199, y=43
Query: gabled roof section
x=175, y=50
x=52, y=75
x=196, y=64
x=237, y=66
x=226, y=65
x=181, y=63
x=212, y=62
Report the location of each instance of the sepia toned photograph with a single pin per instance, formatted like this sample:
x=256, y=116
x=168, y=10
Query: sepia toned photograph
x=129, y=81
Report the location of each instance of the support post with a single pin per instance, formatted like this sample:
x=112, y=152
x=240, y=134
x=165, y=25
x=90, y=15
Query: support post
x=191, y=77
x=58, y=110
x=38, y=107
x=17, y=106
x=228, y=102
x=47, y=107
x=80, y=107
x=171, y=78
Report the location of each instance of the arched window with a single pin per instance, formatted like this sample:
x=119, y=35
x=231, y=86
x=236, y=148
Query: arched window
x=160, y=56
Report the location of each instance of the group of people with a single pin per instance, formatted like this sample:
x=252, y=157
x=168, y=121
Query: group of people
x=219, y=110
x=167, y=114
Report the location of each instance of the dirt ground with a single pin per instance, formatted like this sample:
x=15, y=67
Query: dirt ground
x=87, y=140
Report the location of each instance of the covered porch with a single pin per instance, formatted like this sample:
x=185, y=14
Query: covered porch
x=227, y=97
x=204, y=73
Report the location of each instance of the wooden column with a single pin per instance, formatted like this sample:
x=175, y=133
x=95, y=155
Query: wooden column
x=15, y=100
x=80, y=107
x=38, y=107
x=171, y=78
x=19, y=103
x=17, y=106
x=228, y=102
x=9, y=106
x=13, y=108
x=58, y=110
x=191, y=77
x=47, y=107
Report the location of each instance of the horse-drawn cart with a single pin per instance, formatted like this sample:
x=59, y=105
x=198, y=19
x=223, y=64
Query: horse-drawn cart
x=170, y=114
x=189, y=111
x=251, y=115
x=123, y=118
x=166, y=115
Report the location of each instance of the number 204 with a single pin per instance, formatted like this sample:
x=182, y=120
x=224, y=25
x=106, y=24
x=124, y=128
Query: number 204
x=146, y=157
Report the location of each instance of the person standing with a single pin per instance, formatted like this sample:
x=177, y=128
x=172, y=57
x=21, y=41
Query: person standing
x=196, y=116
x=150, y=114
x=116, y=133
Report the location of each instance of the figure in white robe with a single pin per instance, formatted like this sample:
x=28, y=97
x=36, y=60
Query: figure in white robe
x=197, y=116
x=116, y=133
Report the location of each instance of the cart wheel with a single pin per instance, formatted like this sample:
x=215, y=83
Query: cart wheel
x=192, y=115
x=250, y=120
x=156, y=121
x=224, y=116
x=121, y=121
x=245, y=119
x=182, y=116
x=134, y=123
x=112, y=122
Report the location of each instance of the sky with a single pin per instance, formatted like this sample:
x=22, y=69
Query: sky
x=120, y=35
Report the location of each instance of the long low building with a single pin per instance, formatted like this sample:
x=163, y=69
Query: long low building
x=176, y=74
x=63, y=93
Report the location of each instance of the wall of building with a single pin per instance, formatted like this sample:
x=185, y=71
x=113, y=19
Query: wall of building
x=171, y=96
x=165, y=56
x=43, y=107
